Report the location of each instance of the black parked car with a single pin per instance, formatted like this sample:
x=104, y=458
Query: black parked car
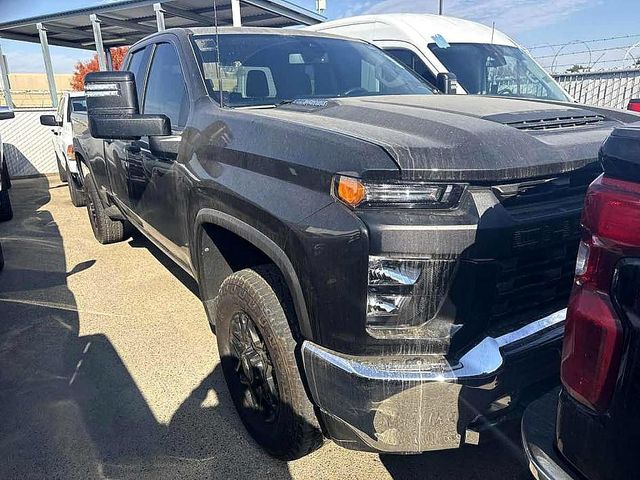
x=387, y=263
x=591, y=429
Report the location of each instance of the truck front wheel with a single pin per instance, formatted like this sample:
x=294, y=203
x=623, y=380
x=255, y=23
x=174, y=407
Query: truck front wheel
x=104, y=229
x=257, y=351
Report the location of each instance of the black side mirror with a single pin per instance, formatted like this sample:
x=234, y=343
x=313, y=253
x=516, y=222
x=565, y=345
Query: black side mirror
x=6, y=114
x=113, y=112
x=49, y=121
x=447, y=83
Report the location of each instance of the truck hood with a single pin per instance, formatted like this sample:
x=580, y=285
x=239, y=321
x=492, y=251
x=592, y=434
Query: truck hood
x=465, y=138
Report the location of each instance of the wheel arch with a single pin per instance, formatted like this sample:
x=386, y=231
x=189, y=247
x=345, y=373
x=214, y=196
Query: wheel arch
x=210, y=281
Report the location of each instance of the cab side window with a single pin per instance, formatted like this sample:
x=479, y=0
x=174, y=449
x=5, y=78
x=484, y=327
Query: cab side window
x=411, y=60
x=166, y=90
x=137, y=65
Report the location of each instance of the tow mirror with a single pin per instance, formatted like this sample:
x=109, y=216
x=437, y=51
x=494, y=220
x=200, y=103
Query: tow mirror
x=6, y=113
x=447, y=83
x=49, y=121
x=113, y=112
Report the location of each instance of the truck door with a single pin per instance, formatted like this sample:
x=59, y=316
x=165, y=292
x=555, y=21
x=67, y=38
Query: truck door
x=124, y=157
x=166, y=93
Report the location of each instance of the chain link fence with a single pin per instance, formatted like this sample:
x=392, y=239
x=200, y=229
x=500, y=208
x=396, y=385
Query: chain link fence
x=612, y=88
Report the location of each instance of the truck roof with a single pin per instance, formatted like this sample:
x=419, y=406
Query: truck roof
x=424, y=26
x=258, y=31
x=245, y=31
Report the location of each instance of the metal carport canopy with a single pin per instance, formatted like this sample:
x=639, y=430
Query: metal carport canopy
x=126, y=22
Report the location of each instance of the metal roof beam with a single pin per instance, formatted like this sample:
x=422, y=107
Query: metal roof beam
x=281, y=10
x=34, y=39
x=128, y=24
x=179, y=12
x=68, y=31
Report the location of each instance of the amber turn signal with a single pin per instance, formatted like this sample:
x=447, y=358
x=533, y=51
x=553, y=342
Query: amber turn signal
x=71, y=154
x=350, y=190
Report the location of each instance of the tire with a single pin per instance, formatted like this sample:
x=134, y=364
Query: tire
x=104, y=229
x=259, y=299
x=6, y=212
x=77, y=196
x=61, y=171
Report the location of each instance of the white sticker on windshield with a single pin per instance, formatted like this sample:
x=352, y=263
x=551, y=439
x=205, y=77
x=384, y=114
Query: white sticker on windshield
x=440, y=41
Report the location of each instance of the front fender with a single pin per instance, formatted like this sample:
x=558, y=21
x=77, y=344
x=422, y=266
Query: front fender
x=265, y=245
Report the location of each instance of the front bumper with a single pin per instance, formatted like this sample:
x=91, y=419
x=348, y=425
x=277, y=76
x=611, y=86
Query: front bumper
x=412, y=404
x=538, y=438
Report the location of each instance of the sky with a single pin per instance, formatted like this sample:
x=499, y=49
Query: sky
x=529, y=22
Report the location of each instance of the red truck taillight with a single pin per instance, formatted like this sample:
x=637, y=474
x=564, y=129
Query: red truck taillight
x=593, y=333
x=634, y=105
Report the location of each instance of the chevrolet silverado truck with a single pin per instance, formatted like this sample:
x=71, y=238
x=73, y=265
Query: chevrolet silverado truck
x=590, y=429
x=381, y=264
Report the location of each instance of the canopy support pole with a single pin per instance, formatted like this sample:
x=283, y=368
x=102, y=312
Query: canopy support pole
x=159, y=16
x=236, y=13
x=6, y=86
x=46, y=55
x=97, y=35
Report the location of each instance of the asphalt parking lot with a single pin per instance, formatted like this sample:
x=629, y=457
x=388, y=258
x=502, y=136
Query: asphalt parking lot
x=108, y=369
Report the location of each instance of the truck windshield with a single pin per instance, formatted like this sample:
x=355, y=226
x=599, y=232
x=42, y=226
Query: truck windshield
x=264, y=69
x=485, y=69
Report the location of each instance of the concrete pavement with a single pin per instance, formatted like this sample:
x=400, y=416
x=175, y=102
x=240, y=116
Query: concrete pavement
x=108, y=369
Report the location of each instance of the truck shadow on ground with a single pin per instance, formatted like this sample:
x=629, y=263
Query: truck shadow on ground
x=69, y=407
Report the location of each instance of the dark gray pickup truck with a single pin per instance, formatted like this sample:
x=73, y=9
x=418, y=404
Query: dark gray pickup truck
x=381, y=264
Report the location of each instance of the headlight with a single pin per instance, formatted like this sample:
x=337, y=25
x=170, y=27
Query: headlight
x=360, y=193
x=404, y=294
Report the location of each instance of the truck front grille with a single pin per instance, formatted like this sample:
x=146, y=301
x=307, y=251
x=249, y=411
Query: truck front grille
x=532, y=284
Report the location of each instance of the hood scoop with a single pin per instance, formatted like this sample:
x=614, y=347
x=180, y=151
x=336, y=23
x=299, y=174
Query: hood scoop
x=555, y=123
x=549, y=119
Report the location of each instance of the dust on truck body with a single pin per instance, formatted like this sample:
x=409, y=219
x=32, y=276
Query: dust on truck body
x=382, y=264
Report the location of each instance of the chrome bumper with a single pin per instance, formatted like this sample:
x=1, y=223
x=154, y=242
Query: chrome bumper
x=411, y=404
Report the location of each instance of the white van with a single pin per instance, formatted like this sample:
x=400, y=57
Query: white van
x=484, y=60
